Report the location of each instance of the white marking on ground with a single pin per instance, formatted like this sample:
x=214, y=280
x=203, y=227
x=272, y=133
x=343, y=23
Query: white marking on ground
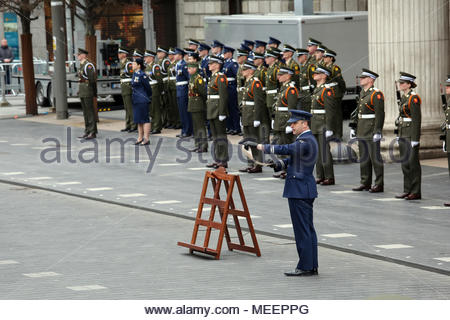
x=41, y=274
x=40, y=178
x=283, y=226
x=4, y=262
x=39, y=148
x=236, y=173
x=87, y=288
x=435, y=175
x=68, y=183
x=114, y=157
x=167, y=201
x=343, y=191
x=131, y=195
x=99, y=189
x=445, y=259
x=339, y=235
x=19, y=144
x=198, y=169
x=13, y=173
x=204, y=209
x=140, y=160
x=266, y=179
x=388, y=199
x=394, y=246
x=3, y=141
x=436, y=208
x=169, y=164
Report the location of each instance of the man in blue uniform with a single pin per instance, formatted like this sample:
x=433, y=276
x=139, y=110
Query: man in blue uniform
x=230, y=69
x=273, y=42
x=300, y=188
x=182, y=93
x=203, y=52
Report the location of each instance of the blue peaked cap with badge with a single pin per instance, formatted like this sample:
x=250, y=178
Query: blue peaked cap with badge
x=217, y=43
x=180, y=51
x=297, y=115
x=204, y=46
x=228, y=49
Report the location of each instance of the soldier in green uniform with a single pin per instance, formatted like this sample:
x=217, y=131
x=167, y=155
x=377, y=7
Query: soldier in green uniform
x=311, y=62
x=338, y=83
x=318, y=55
x=272, y=84
x=171, y=87
x=260, y=73
x=164, y=62
x=197, y=107
x=409, y=123
x=217, y=111
x=322, y=124
x=253, y=110
x=153, y=71
x=242, y=56
x=137, y=54
x=446, y=125
x=126, y=72
x=287, y=99
x=289, y=61
x=367, y=126
x=305, y=88
x=87, y=91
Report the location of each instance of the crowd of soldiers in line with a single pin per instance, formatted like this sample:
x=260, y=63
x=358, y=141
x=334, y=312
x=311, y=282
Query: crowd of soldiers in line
x=206, y=93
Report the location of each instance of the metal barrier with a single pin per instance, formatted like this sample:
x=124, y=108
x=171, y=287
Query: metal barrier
x=3, y=102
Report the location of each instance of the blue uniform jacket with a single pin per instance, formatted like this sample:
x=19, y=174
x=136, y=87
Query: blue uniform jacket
x=230, y=69
x=182, y=77
x=204, y=66
x=300, y=182
x=142, y=91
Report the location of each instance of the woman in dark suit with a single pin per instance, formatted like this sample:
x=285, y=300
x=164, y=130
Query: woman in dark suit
x=142, y=96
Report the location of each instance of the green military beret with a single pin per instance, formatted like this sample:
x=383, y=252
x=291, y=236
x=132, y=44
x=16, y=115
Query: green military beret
x=82, y=51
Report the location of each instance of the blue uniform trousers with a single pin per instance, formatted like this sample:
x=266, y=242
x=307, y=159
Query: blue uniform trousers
x=185, y=116
x=305, y=234
x=233, y=121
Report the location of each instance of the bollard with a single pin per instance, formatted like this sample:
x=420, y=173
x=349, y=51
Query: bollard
x=3, y=102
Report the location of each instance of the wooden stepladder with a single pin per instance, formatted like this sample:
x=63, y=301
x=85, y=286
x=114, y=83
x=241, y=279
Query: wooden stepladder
x=226, y=208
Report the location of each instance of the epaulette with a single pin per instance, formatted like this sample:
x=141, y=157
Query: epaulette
x=292, y=84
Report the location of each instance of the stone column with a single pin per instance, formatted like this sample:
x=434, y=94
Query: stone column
x=411, y=36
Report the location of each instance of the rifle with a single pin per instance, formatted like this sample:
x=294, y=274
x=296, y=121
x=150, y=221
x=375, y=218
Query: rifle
x=399, y=97
x=354, y=114
x=443, y=98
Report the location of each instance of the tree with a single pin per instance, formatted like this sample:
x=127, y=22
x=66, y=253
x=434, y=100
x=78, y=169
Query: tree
x=24, y=9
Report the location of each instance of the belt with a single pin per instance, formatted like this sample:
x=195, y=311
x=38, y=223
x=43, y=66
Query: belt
x=83, y=80
x=153, y=82
x=448, y=126
x=125, y=80
x=241, y=88
x=182, y=83
x=281, y=108
x=304, y=88
x=272, y=91
x=166, y=79
x=213, y=96
x=193, y=95
x=406, y=119
x=317, y=111
x=231, y=79
x=366, y=116
x=248, y=103
x=172, y=78
x=264, y=88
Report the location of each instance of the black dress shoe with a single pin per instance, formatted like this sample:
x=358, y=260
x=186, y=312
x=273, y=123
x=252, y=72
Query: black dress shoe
x=124, y=130
x=212, y=165
x=244, y=169
x=155, y=132
x=202, y=150
x=145, y=143
x=302, y=273
x=319, y=181
x=361, y=188
x=132, y=130
x=413, y=196
x=222, y=164
x=402, y=196
x=240, y=134
x=257, y=169
x=84, y=136
x=327, y=182
x=376, y=188
x=179, y=135
x=447, y=204
x=138, y=142
x=91, y=136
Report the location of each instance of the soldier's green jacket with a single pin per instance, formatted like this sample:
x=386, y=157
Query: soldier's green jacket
x=287, y=99
x=88, y=80
x=310, y=66
x=371, y=104
x=240, y=80
x=217, y=103
x=410, y=109
x=336, y=77
x=197, y=93
x=253, y=102
x=323, y=99
x=172, y=81
x=272, y=85
x=153, y=71
x=292, y=64
x=260, y=73
x=126, y=72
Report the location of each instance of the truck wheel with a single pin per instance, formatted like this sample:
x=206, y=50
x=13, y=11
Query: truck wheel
x=50, y=94
x=41, y=98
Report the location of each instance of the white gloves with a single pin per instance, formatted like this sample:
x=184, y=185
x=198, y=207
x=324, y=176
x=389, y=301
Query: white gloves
x=240, y=123
x=376, y=137
x=352, y=134
x=256, y=123
x=221, y=118
x=271, y=125
x=288, y=130
x=328, y=133
x=414, y=143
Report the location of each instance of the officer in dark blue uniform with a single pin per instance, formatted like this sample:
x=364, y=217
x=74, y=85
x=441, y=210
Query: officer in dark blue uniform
x=216, y=48
x=300, y=188
x=203, y=51
x=230, y=69
x=182, y=93
x=273, y=42
x=250, y=44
